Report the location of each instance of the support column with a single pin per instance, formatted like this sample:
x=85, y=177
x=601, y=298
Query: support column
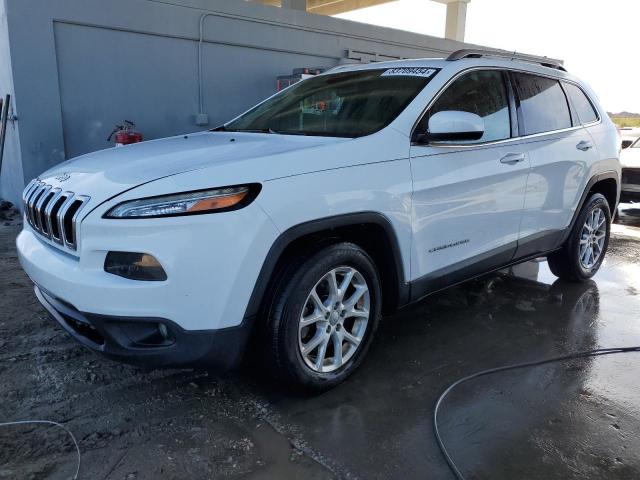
x=456, y=19
x=295, y=4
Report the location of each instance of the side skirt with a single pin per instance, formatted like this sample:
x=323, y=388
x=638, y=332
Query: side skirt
x=538, y=245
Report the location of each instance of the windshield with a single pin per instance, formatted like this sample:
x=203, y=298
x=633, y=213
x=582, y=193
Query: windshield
x=636, y=144
x=349, y=104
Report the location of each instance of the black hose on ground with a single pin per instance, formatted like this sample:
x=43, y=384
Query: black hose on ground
x=590, y=353
x=55, y=424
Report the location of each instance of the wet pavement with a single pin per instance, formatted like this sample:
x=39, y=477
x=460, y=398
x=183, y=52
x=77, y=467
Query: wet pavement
x=577, y=419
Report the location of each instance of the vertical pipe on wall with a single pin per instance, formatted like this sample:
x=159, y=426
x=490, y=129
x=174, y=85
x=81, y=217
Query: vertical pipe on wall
x=201, y=117
x=4, y=118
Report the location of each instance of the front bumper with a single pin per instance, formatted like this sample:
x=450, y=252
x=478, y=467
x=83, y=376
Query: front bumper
x=142, y=341
x=212, y=264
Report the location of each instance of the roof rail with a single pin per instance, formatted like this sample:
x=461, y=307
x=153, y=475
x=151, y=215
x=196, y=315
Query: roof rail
x=478, y=53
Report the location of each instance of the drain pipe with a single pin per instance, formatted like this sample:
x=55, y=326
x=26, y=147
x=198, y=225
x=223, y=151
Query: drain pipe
x=202, y=118
x=4, y=118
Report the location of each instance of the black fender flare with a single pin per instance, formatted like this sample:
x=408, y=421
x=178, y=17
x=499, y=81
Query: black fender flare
x=296, y=232
x=592, y=181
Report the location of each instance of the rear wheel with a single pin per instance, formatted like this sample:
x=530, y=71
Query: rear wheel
x=584, y=251
x=323, y=317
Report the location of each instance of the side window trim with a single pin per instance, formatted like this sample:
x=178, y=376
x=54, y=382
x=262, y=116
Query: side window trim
x=519, y=114
x=508, y=94
x=519, y=121
x=514, y=104
x=575, y=119
x=591, y=103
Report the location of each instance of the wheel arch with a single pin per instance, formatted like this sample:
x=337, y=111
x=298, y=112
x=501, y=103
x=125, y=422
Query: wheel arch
x=608, y=184
x=372, y=231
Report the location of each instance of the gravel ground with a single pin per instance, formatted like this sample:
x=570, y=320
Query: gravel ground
x=130, y=423
x=175, y=424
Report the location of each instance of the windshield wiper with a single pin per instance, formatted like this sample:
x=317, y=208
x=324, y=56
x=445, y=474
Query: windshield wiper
x=222, y=128
x=260, y=130
x=314, y=134
x=293, y=132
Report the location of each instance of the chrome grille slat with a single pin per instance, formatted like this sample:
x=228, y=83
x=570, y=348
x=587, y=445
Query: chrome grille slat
x=40, y=200
x=42, y=209
x=57, y=193
x=25, y=198
x=38, y=208
x=35, y=196
x=73, y=244
x=68, y=198
x=62, y=213
x=27, y=193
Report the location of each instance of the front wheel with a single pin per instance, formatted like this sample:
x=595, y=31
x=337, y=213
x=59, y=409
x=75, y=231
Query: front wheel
x=583, y=253
x=323, y=317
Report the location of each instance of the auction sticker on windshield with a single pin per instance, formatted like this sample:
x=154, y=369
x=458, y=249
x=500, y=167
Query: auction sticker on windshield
x=410, y=71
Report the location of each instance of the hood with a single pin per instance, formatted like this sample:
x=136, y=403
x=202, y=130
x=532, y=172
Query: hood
x=106, y=173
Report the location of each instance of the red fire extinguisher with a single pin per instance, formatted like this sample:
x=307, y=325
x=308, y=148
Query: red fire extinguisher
x=125, y=134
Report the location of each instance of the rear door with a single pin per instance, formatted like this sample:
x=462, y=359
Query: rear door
x=468, y=195
x=560, y=150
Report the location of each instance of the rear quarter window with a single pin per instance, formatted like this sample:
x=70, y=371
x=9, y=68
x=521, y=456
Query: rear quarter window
x=543, y=104
x=581, y=103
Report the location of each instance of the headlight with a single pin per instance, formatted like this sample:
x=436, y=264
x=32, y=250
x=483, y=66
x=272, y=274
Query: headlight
x=188, y=203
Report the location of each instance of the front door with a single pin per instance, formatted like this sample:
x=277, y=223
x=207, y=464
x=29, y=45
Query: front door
x=468, y=196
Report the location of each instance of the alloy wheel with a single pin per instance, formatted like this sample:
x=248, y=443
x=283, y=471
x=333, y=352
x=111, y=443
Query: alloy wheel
x=334, y=319
x=592, y=238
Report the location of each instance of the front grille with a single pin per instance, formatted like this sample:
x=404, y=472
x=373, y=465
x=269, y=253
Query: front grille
x=84, y=329
x=53, y=213
x=71, y=316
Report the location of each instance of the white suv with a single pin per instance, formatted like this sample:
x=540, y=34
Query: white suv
x=302, y=221
x=630, y=160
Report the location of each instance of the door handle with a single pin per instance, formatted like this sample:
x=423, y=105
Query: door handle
x=584, y=145
x=513, y=158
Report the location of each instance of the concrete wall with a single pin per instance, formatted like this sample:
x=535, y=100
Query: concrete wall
x=81, y=66
x=11, y=177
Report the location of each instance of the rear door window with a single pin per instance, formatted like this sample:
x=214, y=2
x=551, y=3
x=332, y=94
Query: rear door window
x=543, y=104
x=582, y=104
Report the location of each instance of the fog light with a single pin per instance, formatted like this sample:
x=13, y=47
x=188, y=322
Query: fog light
x=134, y=266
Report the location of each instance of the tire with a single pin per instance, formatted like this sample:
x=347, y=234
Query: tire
x=572, y=262
x=319, y=368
